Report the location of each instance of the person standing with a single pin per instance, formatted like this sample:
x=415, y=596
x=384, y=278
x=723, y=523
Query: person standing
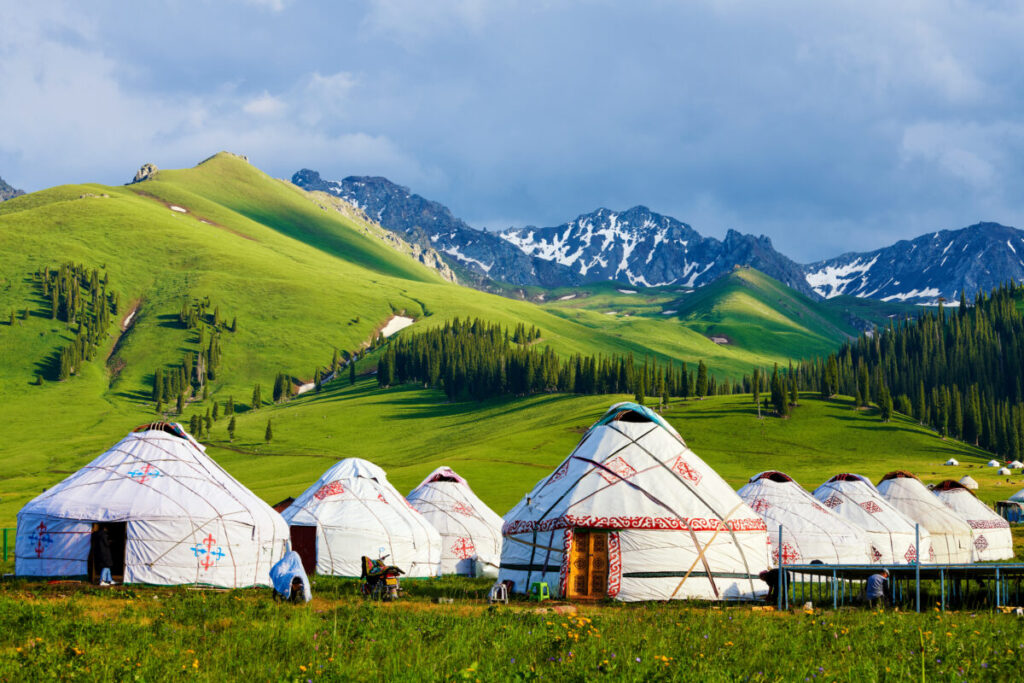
x=876, y=587
x=101, y=555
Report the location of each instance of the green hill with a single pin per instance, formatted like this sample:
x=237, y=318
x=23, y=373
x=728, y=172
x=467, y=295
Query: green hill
x=301, y=279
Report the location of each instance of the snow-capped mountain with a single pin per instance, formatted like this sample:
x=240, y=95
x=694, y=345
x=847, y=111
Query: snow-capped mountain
x=924, y=269
x=646, y=249
x=637, y=247
x=428, y=223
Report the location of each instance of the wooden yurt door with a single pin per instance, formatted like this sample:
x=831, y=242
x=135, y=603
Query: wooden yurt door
x=304, y=543
x=588, y=565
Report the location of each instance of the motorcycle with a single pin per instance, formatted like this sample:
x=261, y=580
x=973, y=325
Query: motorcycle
x=380, y=580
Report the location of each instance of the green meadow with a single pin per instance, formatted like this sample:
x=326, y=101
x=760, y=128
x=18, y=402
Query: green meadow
x=153, y=634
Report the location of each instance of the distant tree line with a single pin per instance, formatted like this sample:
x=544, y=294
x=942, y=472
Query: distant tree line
x=474, y=360
x=958, y=371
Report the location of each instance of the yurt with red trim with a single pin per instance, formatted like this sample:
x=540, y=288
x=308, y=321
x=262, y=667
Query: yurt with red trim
x=810, y=531
x=633, y=514
x=165, y=512
x=352, y=511
x=993, y=539
x=951, y=536
x=470, y=531
x=891, y=534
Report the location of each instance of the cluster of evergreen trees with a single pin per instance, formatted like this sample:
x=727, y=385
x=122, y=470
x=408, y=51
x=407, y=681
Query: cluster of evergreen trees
x=80, y=298
x=473, y=359
x=957, y=371
x=190, y=377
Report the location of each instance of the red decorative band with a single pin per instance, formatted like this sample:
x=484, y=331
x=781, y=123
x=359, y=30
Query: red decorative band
x=521, y=526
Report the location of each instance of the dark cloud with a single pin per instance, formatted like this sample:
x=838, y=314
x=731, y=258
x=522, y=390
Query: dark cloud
x=828, y=126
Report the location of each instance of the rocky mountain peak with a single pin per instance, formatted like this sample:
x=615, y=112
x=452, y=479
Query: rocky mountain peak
x=8, y=192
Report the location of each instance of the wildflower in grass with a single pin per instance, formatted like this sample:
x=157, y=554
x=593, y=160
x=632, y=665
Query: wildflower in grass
x=195, y=663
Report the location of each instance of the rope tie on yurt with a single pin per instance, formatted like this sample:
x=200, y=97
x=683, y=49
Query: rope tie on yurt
x=700, y=555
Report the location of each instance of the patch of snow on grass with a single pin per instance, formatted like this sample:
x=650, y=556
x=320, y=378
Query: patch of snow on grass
x=567, y=297
x=913, y=294
x=672, y=312
x=396, y=323
x=454, y=251
x=627, y=291
x=179, y=209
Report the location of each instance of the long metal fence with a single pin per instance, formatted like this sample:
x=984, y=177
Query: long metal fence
x=920, y=587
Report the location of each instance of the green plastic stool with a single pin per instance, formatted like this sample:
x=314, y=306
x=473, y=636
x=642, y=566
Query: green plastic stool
x=539, y=591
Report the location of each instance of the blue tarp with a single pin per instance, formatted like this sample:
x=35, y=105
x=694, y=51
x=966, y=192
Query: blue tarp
x=285, y=571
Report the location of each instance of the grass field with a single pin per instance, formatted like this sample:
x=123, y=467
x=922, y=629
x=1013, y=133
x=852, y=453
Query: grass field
x=149, y=634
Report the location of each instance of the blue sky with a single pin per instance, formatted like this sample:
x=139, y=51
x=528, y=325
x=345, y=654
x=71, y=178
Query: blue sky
x=828, y=126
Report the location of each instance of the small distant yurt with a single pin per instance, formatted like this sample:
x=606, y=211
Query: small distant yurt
x=952, y=539
x=470, y=531
x=170, y=513
x=1003, y=471
x=1016, y=465
x=891, y=533
x=352, y=511
x=633, y=514
x=952, y=462
x=810, y=531
x=992, y=463
x=968, y=482
x=992, y=537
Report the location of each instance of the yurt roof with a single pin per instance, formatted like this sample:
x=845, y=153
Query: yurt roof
x=157, y=471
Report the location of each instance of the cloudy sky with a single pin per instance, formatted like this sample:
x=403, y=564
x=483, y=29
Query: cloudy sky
x=829, y=126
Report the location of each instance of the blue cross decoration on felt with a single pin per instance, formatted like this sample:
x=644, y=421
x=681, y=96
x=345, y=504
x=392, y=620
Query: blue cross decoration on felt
x=145, y=474
x=41, y=537
x=207, y=552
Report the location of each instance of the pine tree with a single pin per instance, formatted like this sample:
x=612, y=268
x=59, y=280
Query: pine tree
x=885, y=403
x=702, y=380
x=180, y=408
x=229, y=409
x=794, y=392
x=318, y=381
x=231, y=429
x=216, y=411
x=779, y=402
x=756, y=387
x=269, y=434
x=257, y=397
x=352, y=371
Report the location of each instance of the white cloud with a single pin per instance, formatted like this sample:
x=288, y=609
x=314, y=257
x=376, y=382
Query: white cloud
x=264, y=105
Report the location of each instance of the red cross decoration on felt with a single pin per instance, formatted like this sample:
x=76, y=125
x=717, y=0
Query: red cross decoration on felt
x=876, y=554
x=381, y=498
x=911, y=555
x=42, y=538
x=871, y=506
x=333, y=488
x=980, y=543
x=819, y=508
x=760, y=505
x=463, y=548
x=683, y=469
x=462, y=509
x=145, y=474
x=620, y=467
x=833, y=502
x=789, y=554
x=204, y=549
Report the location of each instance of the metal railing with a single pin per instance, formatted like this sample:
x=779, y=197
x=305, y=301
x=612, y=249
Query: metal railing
x=991, y=585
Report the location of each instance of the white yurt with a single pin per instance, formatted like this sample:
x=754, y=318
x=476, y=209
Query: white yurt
x=1016, y=465
x=1004, y=471
x=810, y=531
x=351, y=512
x=952, y=462
x=890, y=532
x=170, y=513
x=968, y=482
x=470, y=531
x=992, y=537
x=952, y=539
x=633, y=514
x=992, y=463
